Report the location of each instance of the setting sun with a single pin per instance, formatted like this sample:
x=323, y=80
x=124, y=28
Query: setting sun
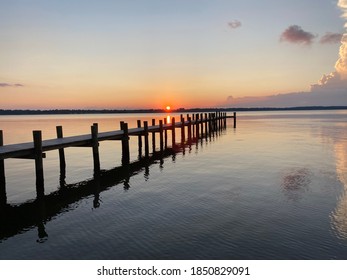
x=168, y=108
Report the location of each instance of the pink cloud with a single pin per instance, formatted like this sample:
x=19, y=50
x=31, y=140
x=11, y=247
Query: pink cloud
x=296, y=35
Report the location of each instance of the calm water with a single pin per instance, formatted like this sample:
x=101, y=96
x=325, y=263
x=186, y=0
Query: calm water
x=273, y=188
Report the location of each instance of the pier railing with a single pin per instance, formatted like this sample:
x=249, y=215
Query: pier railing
x=194, y=126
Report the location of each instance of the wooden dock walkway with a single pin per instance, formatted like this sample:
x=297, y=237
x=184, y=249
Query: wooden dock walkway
x=194, y=127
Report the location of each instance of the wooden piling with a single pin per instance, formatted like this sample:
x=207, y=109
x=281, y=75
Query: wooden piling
x=125, y=144
x=3, y=199
x=189, y=130
x=206, y=125
x=197, y=127
x=210, y=124
x=139, y=139
x=173, y=133
x=145, y=128
x=95, y=147
x=183, y=137
x=165, y=134
x=201, y=120
x=193, y=125
x=161, y=135
x=37, y=137
x=2, y=162
x=153, y=137
x=59, y=130
x=234, y=119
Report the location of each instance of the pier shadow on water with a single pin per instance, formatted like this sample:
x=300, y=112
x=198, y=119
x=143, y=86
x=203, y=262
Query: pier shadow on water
x=18, y=218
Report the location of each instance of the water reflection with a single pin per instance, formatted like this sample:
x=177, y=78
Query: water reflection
x=15, y=219
x=336, y=134
x=339, y=215
x=296, y=182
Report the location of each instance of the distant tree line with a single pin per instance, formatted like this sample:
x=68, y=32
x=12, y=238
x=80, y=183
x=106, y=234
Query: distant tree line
x=149, y=111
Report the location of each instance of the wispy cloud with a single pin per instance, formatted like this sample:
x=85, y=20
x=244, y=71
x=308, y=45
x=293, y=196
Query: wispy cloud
x=331, y=38
x=234, y=24
x=296, y=35
x=11, y=85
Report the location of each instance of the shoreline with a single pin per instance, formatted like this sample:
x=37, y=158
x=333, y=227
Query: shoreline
x=151, y=111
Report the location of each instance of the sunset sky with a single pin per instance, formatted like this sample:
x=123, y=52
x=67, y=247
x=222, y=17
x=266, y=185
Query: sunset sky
x=184, y=53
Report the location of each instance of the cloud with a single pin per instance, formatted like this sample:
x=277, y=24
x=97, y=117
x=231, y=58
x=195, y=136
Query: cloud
x=234, y=24
x=330, y=90
x=342, y=4
x=317, y=97
x=11, y=85
x=331, y=38
x=296, y=35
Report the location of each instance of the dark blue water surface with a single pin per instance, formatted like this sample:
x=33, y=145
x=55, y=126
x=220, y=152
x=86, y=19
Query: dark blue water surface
x=273, y=188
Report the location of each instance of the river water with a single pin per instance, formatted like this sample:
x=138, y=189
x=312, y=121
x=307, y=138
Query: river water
x=273, y=188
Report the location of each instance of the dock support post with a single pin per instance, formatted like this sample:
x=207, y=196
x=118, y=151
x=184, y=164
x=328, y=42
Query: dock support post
x=182, y=130
x=210, y=123
x=220, y=121
x=165, y=133
x=197, y=126
x=225, y=120
x=206, y=125
x=234, y=119
x=145, y=127
x=161, y=135
x=125, y=144
x=62, y=161
x=37, y=137
x=193, y=125
x=3, y=198
x=139, y=139
x=173, y=133
x=95, y=146
x=202, y=124
x=153, y=136
x=189, y=130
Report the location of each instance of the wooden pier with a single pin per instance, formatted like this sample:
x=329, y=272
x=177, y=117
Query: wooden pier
x=194, y=127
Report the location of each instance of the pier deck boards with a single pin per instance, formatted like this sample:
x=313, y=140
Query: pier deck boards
x=27, y=149
x=36, y=150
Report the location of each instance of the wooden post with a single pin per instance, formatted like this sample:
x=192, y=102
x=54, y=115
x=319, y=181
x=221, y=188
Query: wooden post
x=215, y=121
x=197, y=127
x=210, y=123
x=125, y=144
x=225, y=120
x=182, y=131
x=173, y=133
x=145, y=127
x=193, y=125
x=201, y=119
x=234, y=119
x=3, y=199
x=153, y=136
x=2, y=163
x=37, y=137
x=189, y=130
x=165, y=133
x=62, y=161
x=220, y=121
x=161, y=135
x=95, y=147
x=206, y=125
x=139, y=138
